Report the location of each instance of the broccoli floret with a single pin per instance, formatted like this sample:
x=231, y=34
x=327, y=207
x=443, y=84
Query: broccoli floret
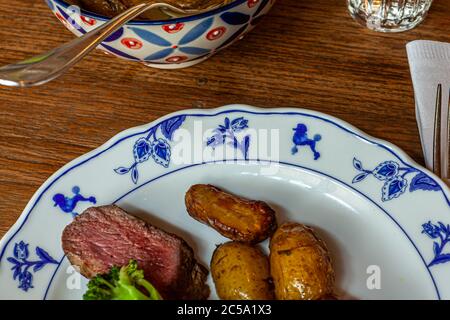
x=121, y=284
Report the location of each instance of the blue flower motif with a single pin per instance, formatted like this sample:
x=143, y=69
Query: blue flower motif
x=21, y=250
x=153, y=147
x=394, y=177
x=431, y=230
x=225, y=134
x=182, y=45
x=21, y=264
x=441, y=234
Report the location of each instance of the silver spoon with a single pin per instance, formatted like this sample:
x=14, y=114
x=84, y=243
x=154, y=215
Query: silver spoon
x=52, y=64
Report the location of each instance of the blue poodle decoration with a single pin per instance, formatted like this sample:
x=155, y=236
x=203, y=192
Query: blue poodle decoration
x=67, y=204
x=301, y=139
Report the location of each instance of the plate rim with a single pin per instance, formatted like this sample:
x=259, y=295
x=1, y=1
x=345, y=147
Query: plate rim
x=397, y=152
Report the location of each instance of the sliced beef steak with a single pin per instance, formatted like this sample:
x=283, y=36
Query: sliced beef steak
x=107, y=236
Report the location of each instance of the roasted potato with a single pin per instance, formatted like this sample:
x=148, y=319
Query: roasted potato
x=241, y=272
x=300, y=264
x=233, y=217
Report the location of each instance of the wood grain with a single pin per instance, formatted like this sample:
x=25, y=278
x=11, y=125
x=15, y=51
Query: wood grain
x=308, y=54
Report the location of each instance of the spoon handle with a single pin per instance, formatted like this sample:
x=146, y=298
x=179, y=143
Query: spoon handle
x=50, y=65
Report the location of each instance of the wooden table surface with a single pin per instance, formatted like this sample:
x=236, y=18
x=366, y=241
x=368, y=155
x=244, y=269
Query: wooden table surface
x=306, y=53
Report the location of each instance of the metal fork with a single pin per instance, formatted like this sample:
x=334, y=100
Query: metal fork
x=441, y=149
x=48, y=66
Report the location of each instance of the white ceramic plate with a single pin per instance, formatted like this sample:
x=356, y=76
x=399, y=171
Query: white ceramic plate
x=384, y=218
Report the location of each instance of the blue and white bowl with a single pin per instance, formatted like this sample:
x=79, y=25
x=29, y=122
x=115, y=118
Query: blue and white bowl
x=174, y=43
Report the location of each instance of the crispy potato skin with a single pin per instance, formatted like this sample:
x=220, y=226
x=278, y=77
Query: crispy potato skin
x=300, y=264
x=241, y=272
x=233, y=217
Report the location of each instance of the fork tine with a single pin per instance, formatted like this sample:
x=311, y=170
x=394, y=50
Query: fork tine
x=437, y=133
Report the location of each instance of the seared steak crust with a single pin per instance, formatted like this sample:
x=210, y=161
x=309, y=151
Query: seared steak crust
x=107, y=236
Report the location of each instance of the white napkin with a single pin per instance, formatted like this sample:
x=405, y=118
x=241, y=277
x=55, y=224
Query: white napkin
x=429, y=62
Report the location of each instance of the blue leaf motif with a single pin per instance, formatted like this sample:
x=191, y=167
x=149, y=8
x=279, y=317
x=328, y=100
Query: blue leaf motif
x=41, y=253
x=235, y=18
x=151, y=37
x=197, y=31
x=12, y=260
x=360, y=177
x=423, y=182
x=142, y=150
x=151, y=146
x=394, y=188
x=160, y=54
x=116, y=35
x=194, y=50
x=38, y=266
x=134, y=175
x=442, y=227
x=161, y=152
x=171, y=125
x=227, y=123
x=357, y=164
x=122, y=170
x=16, y=273
x=436, y=248
x=443, y=258
x=386, y=170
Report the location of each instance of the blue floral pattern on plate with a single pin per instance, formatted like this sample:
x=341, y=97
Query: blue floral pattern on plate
x=226, y=135
x=441, y=234
x=394, y=177
x=153, y=147
x=21, y=264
